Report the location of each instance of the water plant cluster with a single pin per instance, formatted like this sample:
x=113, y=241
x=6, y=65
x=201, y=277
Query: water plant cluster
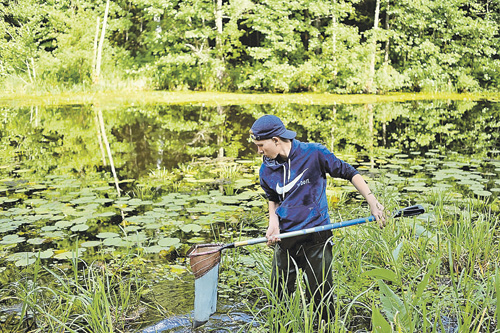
x=440, y=266
x=64, y=221
x=434, y=273
x=77, y=256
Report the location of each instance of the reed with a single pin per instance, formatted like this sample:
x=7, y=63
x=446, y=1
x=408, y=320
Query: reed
x=434, y=274
x=88, y=298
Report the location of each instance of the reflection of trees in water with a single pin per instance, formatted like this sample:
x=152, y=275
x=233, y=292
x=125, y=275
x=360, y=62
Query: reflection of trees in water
x=162, y=136
x=101, y=132
x=464, y=127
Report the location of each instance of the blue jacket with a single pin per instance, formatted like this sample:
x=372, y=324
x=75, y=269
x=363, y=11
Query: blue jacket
x=299, y=184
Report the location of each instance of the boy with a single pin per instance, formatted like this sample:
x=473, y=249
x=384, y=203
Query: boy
x=293, y=176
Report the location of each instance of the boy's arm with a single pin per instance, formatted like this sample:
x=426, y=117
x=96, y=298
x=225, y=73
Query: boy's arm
x=274, y=226
x=376, y=207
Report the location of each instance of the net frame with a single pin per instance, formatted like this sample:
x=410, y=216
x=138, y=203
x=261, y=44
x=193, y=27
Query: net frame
x=204, y=257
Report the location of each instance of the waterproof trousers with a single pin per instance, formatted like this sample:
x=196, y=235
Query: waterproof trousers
x=313, y=254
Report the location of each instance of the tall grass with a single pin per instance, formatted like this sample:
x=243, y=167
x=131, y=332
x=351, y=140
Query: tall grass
x=290, y=312
x=87, y=298
x=434, y=273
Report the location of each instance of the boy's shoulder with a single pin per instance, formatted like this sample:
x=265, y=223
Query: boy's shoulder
x=311, y=146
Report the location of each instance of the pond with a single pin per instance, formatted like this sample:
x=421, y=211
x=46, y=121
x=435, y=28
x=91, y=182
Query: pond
x=148, y=181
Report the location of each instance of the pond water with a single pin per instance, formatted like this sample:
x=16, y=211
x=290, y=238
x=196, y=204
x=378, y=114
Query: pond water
x=188, y=174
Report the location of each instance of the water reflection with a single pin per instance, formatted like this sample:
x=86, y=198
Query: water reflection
x=227, y=319
x=163, y=136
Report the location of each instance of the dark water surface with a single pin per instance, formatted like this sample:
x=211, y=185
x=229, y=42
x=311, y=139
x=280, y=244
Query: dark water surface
x=163, y=136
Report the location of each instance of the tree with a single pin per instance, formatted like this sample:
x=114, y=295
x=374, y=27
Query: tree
x=25, y=37
x=440, y=44
x=373, y=55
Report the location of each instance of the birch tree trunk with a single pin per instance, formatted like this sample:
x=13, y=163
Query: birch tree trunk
x=96, y=44
x=220, y=134
x=334, y=41
x=371, y=115
x=371, y=75
x=101, y=43
x=218, y=41
x=99, y=139
x=108, y=148
x=387, y=43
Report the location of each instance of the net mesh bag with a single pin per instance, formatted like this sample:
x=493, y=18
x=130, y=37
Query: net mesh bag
x=204, y=257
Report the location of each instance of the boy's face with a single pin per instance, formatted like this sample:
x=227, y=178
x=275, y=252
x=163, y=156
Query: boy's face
x=269, y=147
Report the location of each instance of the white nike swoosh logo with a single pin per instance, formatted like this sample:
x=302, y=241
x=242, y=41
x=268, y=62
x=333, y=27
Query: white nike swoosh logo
x=289, y=186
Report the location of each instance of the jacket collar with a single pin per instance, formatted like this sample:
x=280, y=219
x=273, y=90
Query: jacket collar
x=274, y=163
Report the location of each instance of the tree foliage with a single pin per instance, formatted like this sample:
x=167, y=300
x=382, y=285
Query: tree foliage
x=266, y=45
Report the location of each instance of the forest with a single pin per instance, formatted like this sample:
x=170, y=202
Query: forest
x=334, y=46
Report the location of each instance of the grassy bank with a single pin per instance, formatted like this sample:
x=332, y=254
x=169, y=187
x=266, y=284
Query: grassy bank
x=436, y=273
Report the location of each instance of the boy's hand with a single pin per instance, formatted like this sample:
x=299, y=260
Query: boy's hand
x=272, y=232
x=377, y=210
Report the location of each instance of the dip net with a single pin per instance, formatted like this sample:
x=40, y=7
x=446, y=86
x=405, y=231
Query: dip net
x=204, y=257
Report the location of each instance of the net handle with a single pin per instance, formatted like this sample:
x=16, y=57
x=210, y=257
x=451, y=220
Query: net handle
x=191, y=253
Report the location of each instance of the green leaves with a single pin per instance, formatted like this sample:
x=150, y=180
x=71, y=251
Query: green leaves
x=392, y=305
x=382, y=273
x=380, y=325
x=12, y=239
x=168, y=242
x=270, y=45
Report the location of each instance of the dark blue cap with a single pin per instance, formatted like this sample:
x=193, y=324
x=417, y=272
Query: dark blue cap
x=269, y=126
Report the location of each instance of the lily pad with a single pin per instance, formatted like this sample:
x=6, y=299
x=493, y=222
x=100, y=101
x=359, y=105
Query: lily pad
x=132, y=228
x=153, y=226
x=69, y=254
x=83, y=200
x=115, y=241
x=12, y=239
x=6, y=227
x=229, y=200
x=153, y=249
x=107, y=235
x=63, y=224
x=19, y=255
x=482, y=193
x=191, y=228
x=36, y=241
x=103, y=200
x=49, y=228
x=46, y=254
x=25, y=262
x=243, y=183
x=80, y=220
x=106, y=214
x=169, y=242
x=79, y=227
x=91, y=243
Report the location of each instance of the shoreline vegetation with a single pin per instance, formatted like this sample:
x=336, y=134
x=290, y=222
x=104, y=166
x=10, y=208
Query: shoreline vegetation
x=343, y=47
x=139, y=97
x=77, y=257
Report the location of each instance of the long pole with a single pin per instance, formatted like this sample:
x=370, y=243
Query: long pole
x=408, y=211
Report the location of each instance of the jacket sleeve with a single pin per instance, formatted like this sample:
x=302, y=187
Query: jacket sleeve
x=270, y=193
x=334, y=166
